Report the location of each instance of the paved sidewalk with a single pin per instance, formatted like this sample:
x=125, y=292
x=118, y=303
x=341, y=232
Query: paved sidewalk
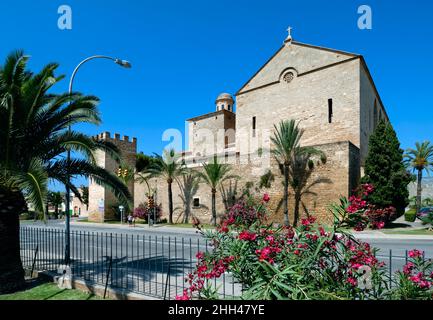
x=380, y=235
x=156, y=228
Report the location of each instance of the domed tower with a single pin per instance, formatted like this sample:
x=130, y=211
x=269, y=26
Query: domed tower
x=224, y=102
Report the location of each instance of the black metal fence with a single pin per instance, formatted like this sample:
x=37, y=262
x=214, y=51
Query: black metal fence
x=152, y=265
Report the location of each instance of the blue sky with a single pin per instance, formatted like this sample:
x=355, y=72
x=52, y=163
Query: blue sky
x=184, y=53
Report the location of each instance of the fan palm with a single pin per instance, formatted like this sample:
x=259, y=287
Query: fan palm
x=285, y=140
x=33, y=141
x=168, y=166
x=55, y=199
x=420, y=159
x=214, y=174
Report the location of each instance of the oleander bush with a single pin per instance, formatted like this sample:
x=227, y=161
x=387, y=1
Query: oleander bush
x=358, y=213
x=308, y=262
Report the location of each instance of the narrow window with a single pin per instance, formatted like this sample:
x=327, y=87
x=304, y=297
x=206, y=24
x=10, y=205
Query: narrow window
x=254, y=126
x=196, y=202
x=226, y=141
x=330, y=110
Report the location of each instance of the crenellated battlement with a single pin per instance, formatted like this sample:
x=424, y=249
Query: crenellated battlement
x=107, y=136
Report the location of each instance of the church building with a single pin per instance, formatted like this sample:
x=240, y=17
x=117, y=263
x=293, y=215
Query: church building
x=329, y=93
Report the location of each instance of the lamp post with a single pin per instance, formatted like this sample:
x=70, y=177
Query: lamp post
x=121, y=208
x=124, y=64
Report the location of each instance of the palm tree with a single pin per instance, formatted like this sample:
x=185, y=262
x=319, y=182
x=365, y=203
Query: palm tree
x=188, y=184
x=168, y=166
x=55, y=199
x=33, y=141
x=285, y=145
x=214, y=175
x=85, y=196
x=419, y=159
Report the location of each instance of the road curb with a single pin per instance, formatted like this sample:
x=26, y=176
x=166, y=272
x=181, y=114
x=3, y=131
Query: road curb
x=393, y=236
x=144, y=227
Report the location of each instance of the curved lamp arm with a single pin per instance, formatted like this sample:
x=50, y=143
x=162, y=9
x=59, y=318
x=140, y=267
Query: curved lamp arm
x=120, y=62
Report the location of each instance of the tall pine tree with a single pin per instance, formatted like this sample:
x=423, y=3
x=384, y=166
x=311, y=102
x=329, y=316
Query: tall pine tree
x=385, y=170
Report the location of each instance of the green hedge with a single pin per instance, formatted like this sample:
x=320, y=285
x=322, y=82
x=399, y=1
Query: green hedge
x=410, y=215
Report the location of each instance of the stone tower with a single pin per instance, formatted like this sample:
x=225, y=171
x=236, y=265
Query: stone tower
x=224, y=102
x=214, y=132
x=101, y=200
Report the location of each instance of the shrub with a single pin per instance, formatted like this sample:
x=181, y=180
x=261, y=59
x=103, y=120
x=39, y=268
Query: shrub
x=356, y=212
x=416, y=279
x=385, y=169
x=410, y=215
x=307, y=262
x=143, y=211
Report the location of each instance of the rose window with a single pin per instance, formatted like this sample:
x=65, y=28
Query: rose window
x=288, y=77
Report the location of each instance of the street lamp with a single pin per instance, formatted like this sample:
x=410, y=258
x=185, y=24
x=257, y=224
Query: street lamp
x=121, y=208
x=124, y=64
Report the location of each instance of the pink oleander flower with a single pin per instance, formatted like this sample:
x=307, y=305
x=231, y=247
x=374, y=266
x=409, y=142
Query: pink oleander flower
x=352, y=281
x=407, y=269
x=248, y=236
x=424, y=284
x=184, y=296
x=415, y=253
x=380, y=225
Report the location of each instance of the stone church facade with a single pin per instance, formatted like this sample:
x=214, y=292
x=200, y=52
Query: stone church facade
x=332, y=96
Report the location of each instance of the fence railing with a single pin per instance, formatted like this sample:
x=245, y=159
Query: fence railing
x=148, y=264
x=152, y=265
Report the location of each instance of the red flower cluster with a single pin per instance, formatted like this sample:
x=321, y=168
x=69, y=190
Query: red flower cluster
x=243, y=214
x=415, y=253
x=362, y=214
x=416, y=272
x=421, y=281
x=308, y=221
x=356, y=204
x=248, y=236
x=185, y=295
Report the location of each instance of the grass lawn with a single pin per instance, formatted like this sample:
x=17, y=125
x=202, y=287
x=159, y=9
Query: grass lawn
x=423, y=231
x=49, y=291
x=188, y=225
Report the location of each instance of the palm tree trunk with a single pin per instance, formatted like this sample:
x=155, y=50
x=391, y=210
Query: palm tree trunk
x=296, y=212
x=170, y=204
x=214, y=217
x=286, y=195
x=11, y=268
x=187, y=210
x=418, y=191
